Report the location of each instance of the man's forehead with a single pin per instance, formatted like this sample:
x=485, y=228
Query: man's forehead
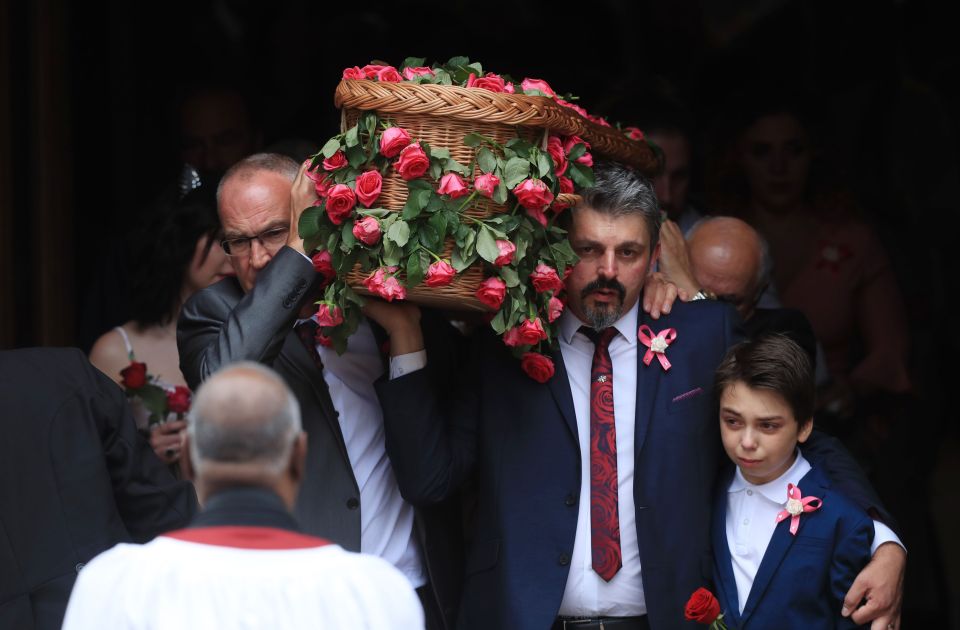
x=588, y=224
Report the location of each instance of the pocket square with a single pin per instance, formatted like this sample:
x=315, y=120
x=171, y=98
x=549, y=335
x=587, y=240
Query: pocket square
x=690, y=394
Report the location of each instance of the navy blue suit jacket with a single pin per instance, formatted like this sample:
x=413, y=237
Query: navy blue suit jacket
x=802, y=579
x=520, y=439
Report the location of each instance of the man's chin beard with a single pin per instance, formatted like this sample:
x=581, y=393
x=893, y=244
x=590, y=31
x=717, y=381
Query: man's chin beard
x=603, y=317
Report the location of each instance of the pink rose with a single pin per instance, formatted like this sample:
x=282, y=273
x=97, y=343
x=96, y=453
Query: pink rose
x=554, y=309
x=586, y=159
x=340, y=202
x=439, y=274
x=634, y=133
x=329, y=315
x=507, y=250
x=538, y=216
x=323, y=264
x=335, y=162
x=537, y=84
x=452, y=184
x=412, y=163
x=393, y=140
x=600, y=120
x=491, y=292
x=367, y=231
x=354, y=73
x=528, y=333
x=370, y=70
x=575, y=108
x=369, y=185
x=509, y=89
x=533, y=194
x=389, y=74
x=545, y=278
x=178, y=401
x=490, y=81
x=566, y=185
x=555, y=149
x=410, y=73
x=321, y=181
x=387, y=287
x=323, y=340
x=486, y=184
x=537, y=366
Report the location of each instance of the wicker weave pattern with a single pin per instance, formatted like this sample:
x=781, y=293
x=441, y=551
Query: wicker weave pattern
x=473, y=106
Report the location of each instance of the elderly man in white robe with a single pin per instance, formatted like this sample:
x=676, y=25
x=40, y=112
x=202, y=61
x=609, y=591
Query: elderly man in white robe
x=242, y=562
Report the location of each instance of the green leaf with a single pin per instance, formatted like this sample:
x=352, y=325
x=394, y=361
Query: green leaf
x=452, y=165
x=544, y=164
x=436, y=169
x=500, y=194
x=576, y=151
x=429, y=237
x=510, y=276
x=368, y=121
x=520, y=146
x=348, y=240
x=487, y=160
x=460, y=260
x=356, y=156
x=391, y=252
x=399, y=233
x=352, y=137
x=581, y=175
x=515, y=171
x=412, y=62
x=497, y=323
x=562, y=252
x=411, y=209
x=419, y=184
x=487, y=245
x=439, y=223
x=414, y=269
x=331, y=147
x=308, y=226
x=440, y=153
x=457, y=61
x=472, y=140
x=522, y=242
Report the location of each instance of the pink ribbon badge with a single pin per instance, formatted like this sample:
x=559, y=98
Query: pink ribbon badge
x=797, y=505
x=656, y=344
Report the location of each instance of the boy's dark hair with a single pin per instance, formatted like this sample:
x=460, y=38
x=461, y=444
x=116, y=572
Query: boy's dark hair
x=775, y=363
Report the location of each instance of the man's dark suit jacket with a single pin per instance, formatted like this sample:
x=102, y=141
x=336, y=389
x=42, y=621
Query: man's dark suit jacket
x=76, y=478
x=221, y=324
x=521, y=436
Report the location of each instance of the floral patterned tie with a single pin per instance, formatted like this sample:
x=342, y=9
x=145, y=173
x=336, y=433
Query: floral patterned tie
x=604, y=512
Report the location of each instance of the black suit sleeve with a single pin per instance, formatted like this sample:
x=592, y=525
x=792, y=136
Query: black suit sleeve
x=220, y=325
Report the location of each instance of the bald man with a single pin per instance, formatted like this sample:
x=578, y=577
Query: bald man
x=243, y=561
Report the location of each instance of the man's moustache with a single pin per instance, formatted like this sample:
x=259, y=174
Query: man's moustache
x=599, y=284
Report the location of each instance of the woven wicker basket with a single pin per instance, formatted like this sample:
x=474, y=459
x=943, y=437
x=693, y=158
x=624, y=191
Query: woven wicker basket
x=441, y=116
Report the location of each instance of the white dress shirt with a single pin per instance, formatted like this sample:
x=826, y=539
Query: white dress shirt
x=386, y=519
x=586, y=593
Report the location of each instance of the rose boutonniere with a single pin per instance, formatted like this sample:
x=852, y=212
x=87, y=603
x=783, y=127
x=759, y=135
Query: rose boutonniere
x=797, y=504
x=704, y=608
x=159, y=402
x=656, y=344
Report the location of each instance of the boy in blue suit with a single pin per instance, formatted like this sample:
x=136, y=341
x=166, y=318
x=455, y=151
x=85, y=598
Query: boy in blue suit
x=787, y=547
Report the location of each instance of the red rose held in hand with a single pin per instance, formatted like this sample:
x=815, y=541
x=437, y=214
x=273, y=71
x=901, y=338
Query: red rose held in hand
x=393, y=140
x=178, y=401
x=537, y=366
x=134, y=375
x=491, y=292
x=369, y=187
x=329, y=315
x=533, y=194
x=412, y=163
x=702, y=607
x=486, y=184
x=439, y=274
x=340, y=202
x=367, y=231
x=452, y=184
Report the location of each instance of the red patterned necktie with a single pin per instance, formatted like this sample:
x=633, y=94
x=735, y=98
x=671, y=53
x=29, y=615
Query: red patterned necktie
x=604, y=511
x=307, y=331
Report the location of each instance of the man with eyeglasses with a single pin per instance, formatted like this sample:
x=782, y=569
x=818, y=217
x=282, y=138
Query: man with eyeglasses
x=265, y=314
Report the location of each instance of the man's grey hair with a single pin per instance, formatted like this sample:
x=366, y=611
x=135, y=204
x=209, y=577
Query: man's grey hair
x=620, y=190
x=272, y=162
x=243, y=414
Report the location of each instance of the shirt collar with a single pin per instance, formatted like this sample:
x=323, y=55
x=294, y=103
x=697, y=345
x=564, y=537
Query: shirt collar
x=626, y=325
x=776, y=490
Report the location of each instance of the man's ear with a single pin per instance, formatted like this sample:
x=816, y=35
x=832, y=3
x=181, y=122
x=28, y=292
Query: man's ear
x=806, y=427
x=654, y=257
x=298, y=458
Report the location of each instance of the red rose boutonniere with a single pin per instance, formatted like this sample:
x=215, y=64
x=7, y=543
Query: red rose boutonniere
x=704, y=608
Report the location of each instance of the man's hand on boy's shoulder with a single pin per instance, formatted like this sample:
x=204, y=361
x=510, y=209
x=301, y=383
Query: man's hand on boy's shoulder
x=881, y=585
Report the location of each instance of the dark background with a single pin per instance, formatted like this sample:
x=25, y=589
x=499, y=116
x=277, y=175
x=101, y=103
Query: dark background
x=87, y=135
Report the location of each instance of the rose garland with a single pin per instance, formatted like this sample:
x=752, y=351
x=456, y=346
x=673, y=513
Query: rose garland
x=525, y=254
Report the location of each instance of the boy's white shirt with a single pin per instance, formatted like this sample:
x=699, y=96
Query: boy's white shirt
x=752, y=517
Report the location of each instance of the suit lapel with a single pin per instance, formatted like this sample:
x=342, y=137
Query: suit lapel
x=781, y=542
x=560, y=388
x=648, y=380
x=302, y=362
x=727, y=585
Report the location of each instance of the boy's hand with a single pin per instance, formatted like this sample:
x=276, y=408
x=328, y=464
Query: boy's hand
x=881, y=583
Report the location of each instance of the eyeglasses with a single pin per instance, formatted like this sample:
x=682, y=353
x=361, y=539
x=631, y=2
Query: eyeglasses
x=271, y=240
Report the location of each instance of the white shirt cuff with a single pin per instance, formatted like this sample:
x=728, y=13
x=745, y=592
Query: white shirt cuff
x=883, y=534
x=410, y=362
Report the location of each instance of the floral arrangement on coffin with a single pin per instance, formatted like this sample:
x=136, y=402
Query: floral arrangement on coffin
x=158, y=401
x=435, y=236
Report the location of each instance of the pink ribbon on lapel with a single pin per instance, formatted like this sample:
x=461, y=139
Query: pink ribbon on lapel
x=797, y=504
x=656, y=344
